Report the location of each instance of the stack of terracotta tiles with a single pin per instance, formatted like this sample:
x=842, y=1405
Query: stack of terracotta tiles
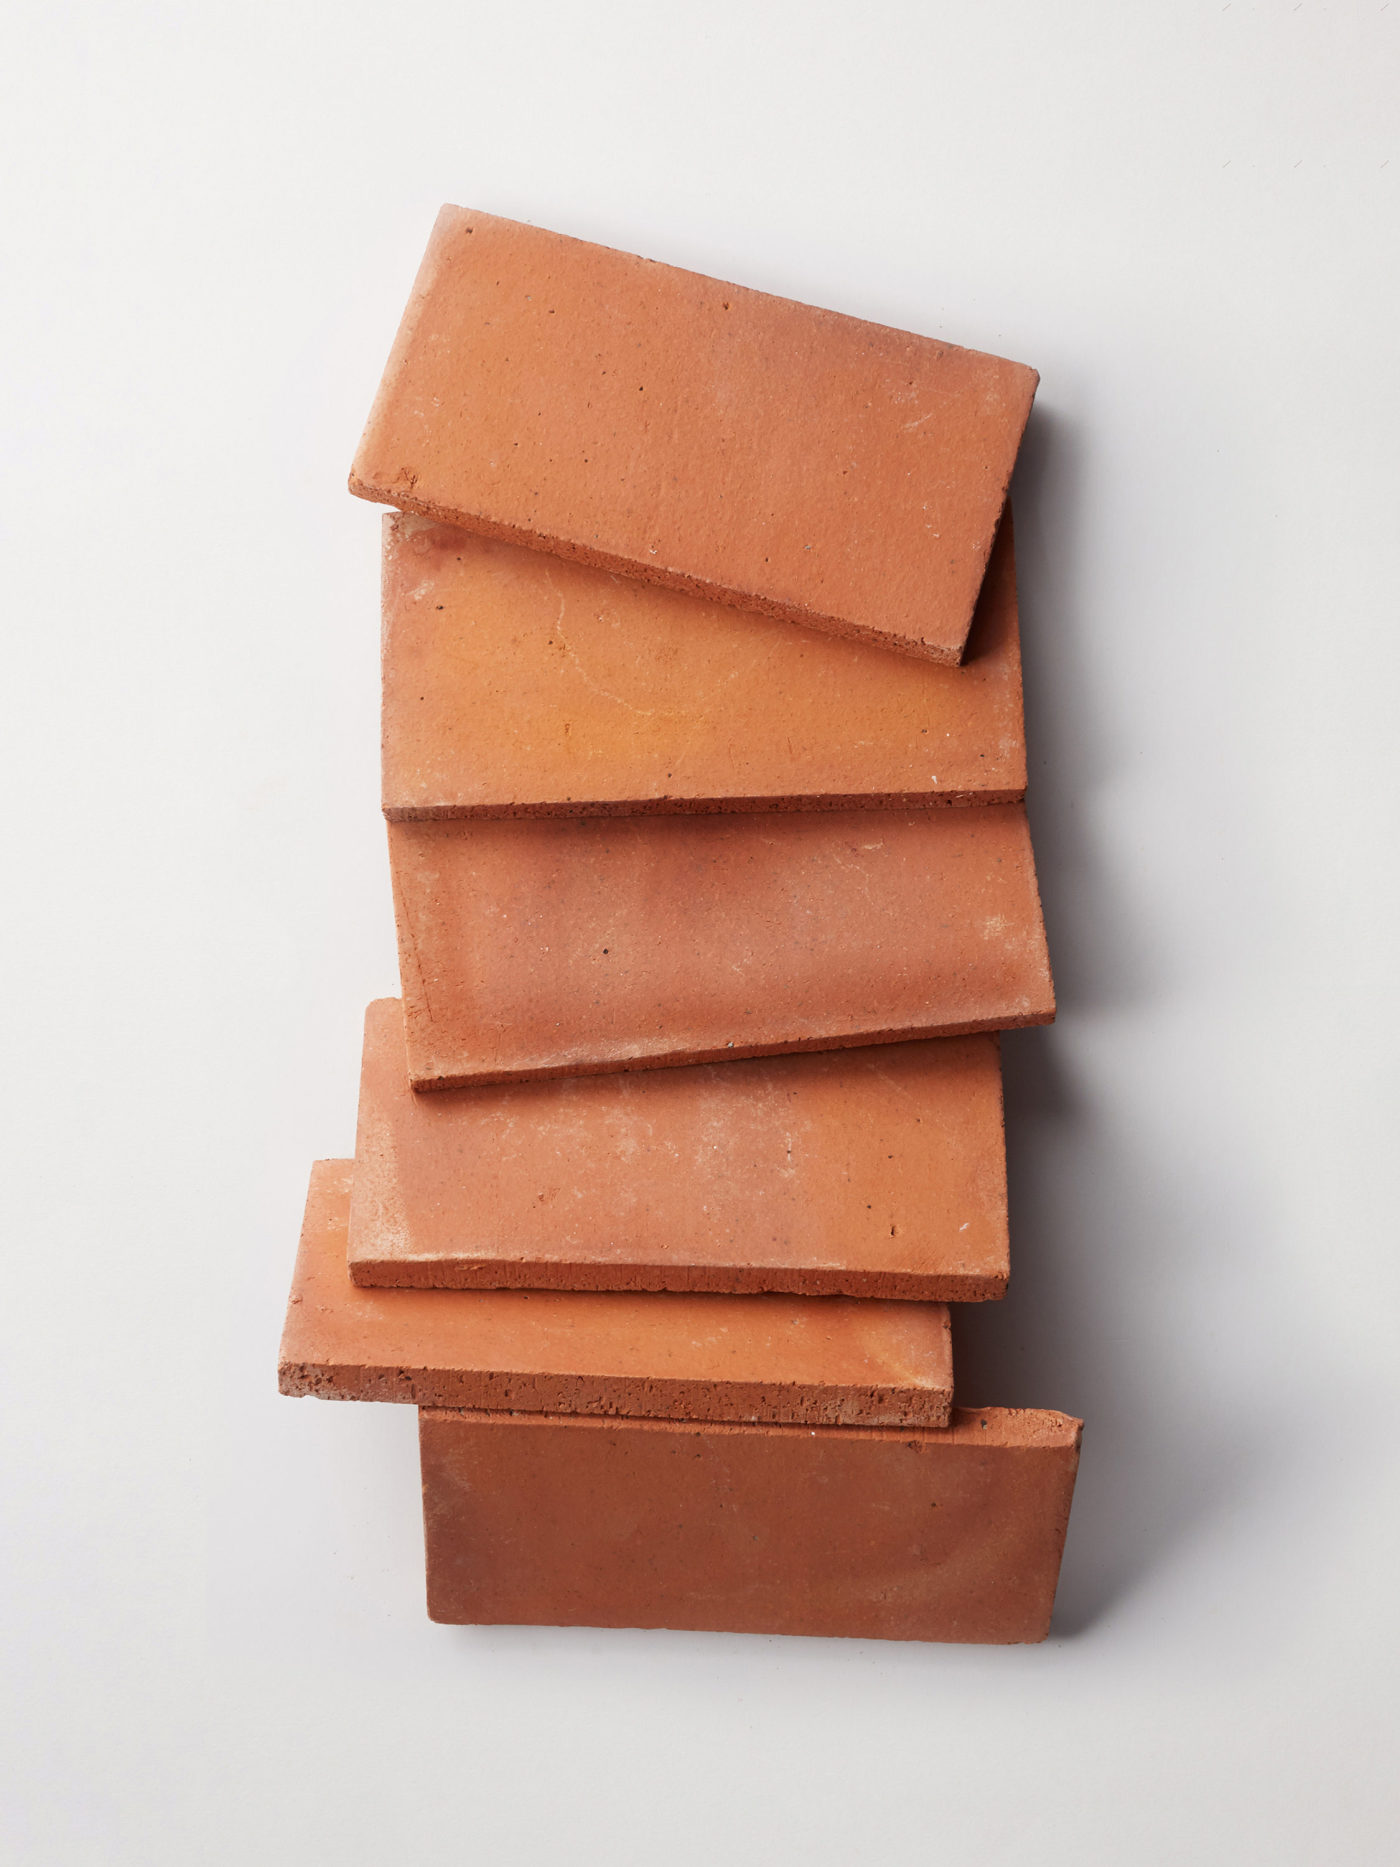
x=703, y=768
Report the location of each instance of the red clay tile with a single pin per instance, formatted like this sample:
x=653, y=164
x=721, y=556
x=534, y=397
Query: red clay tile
x=521, y=685
x=696, y=434
x=874, y=1173
x=875, y=1534
x=821, y=1360
x=563, y=946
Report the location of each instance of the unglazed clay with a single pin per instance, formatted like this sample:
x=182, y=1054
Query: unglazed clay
x=566, y=946
x=817, y=1360
x=877, y=1172
x=696, y=434
x=520, y=685
x=891, y=1535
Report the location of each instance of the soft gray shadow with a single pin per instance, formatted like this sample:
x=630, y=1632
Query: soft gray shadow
x=1095, y=1230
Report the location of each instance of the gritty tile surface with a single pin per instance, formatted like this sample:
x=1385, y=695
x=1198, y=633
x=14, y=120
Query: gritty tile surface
x=819, y=1360
x=875, y=1172
x=898, y=1535
x=517, y=684
x=562, y=946
x=696, y=434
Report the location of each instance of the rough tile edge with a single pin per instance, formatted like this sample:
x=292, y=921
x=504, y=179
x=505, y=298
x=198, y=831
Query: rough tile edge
x=1004, y=1427
x=631, y=1402
x=499, y=1273
x=706, y=806
x=426, y=1080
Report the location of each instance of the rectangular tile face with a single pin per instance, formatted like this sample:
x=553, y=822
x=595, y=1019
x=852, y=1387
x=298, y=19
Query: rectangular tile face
x=952, y=1535
x=815, y=1360
x=568, y=946
x=875, y=1173
x=696, y=434
x=517, y=684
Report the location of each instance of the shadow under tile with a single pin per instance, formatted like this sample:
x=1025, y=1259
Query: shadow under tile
x=1092, y=1322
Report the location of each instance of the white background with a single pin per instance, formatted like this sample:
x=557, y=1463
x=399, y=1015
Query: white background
x=1184, y=215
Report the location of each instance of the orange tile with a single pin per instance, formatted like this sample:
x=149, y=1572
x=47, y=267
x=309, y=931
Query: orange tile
x=696, y=434
x=878, y=1172
x=876, y=1534
x=818, y=1360
x=517, y=684
x=567, y=946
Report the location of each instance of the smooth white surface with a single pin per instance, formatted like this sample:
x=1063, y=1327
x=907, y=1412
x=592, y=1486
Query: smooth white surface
x=1184, y=215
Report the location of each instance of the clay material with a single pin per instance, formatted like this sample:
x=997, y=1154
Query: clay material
x=517, y=684
x=876, y=1534
x=819, y=1360
x=696, y=434
x=877, y=1172
x=565, y=946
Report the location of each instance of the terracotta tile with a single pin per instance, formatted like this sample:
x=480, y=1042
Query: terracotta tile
x=821, y=1360
x=876, y=1173
x=517, y=684
x=696, y=434
x=563, y=946
x=877, y=1534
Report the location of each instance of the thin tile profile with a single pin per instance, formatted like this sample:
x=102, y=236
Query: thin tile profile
x=566, y=946
x=877, y=1172
x=815, y=1360
x=517, y=684
x=873, y=1534
x=695, y=434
